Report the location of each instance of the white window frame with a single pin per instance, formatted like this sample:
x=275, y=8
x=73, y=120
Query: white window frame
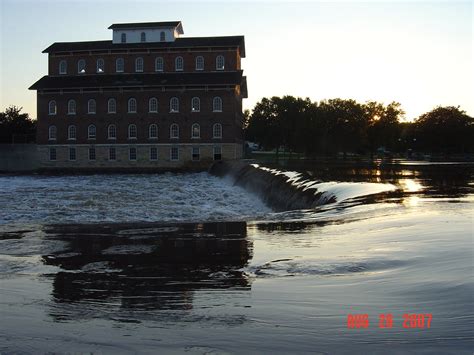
x=62, y=67
x=112, y=128
x=217, y=104
x=71, y=107
x=134, y=149
x=153, y=101
x=195, y=104
x=134, y=128
x=72, y=149
x=193, y=136
x=114, y=157
x=139, y=64
x=214, y=127
x=71, y=133
x=52, y=108
x=159, y=64
x=155, y=149
x=129, y=106
x=91, y=132
x=51, y=150
x=151, y=128
x=179, y=63
x=92, y=149
x=199, y=62
x=111, y=101
x=174, y=105
x=220, y=62
x=52, y=133
x=173, y=149
x=198, y=153
x=119, y=65
x=174, y=128
x=214, y=149
x=100, y=64
x=81, y=67
x=91, y=107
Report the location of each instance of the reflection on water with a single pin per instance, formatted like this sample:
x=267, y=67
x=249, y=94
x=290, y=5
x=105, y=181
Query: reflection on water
x=109, y=269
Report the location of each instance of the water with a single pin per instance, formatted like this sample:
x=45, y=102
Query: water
x=190, y=263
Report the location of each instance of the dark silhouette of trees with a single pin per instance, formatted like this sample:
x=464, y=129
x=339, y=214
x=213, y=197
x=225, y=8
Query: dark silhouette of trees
x=341, y=125
x=445, y=129
x=16, y=127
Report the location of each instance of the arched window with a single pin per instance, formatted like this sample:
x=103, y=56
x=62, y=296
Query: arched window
x=217, y=130
x=132, y=131
x=52, y=108
x=71, y=133
x=153, y=105
x=199, y=63
x=220, y=62
x=91, y=106
x=119, y=65
x=62, y=67
x=139, y=64
x=123, y=38
x=217, y=104
x=174, y=131
x=153, y=131
x=195, y=104
x=162, y=36
x=159, y=64
x=71, y=107
x=195, y=131
x=132, y=105
x=91, y=132
x=52, y=133
x=112, y=132
x=179, y=64
x=174, y=104
x=81, y=66
x=100, y=65
x=143, y=37
x=112, y=106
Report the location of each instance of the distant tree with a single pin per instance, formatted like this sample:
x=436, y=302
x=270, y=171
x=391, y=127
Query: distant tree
x=445, y=130
x=16, y=127
x=384, y=125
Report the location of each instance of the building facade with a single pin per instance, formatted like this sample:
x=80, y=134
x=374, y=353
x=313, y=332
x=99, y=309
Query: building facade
x=148, y=98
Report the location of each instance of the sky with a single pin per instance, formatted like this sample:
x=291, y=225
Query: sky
x=417, y=53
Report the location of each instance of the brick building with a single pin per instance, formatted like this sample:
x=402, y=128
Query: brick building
x=148, y=98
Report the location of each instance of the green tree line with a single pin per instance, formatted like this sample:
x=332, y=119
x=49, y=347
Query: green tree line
x=340, y=125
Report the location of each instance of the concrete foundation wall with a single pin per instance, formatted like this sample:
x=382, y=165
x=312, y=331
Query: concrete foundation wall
x=18, y=157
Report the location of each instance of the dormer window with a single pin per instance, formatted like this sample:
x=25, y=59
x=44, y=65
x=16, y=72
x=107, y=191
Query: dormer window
x=162, y=36
x=143, y=37
x=123, y=38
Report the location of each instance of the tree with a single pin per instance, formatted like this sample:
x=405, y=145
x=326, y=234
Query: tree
x=445, y=130
x=16, y=126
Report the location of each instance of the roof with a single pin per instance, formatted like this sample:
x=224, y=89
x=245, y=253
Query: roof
x=133, y=80
x=118, y=26
x=183, y=42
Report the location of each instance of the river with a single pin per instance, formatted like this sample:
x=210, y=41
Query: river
x=173, y=263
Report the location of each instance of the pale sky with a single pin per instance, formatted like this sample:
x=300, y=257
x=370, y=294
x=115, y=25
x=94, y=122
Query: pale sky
x=417, y=53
